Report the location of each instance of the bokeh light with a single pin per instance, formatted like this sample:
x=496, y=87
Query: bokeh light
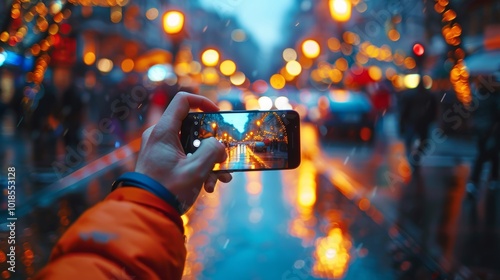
x=152, y=13
x=173, y=22
x=127, y=65
x=210, y=76
x=340, y=10
x=210, y=57
x=310, y=48
x=289, y=54
x=282, y=103
x=293, y=68
x=105, y=65
x=277, y=81
x=89, y=58
x=411, y=80
x=227, y=67
x=265, y=103
x=158, y=72
x=238, y=78
x=238, y=35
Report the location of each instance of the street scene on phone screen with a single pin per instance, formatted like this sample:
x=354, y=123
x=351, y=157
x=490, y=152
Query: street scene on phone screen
x=253, y=140
x=398, y=106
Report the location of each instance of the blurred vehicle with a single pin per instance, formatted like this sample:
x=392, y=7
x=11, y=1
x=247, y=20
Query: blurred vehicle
x=346, y=114
x=259, y=147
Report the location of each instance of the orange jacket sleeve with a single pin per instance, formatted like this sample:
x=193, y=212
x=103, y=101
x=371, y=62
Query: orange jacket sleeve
x=132, y=234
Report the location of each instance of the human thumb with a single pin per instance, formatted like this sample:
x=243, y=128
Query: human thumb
x=208, y=154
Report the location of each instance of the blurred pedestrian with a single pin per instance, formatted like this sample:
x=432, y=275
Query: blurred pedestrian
x=381, y=102
x=44, y=124
x=56, y=118
x=18, y=105
x=485, y=121
x=137, y=231
x=418, y=112
x=3, y=105
x=71, y=115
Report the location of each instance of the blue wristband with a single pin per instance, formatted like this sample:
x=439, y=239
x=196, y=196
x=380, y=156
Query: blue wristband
x=147, y=183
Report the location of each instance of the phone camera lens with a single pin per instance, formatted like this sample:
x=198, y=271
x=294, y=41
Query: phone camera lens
x=196, y=133
x=195, y=122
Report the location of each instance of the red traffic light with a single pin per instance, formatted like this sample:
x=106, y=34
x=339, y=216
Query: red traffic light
x=418, y=49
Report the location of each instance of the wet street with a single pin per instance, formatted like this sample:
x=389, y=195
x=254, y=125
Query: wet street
x=397, y=104
x=350, y=211
x=242, y=157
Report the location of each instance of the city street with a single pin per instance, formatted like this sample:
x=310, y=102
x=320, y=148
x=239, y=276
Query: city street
x=242, y=157
x=392, y=109
x=339, y=215
x=419, y=223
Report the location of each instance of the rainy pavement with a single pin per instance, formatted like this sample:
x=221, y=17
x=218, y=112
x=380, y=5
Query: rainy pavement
x=243, y=157
x=261, y=226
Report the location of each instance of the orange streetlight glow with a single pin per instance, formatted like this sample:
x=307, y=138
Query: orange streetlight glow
x=310, y=48
x=210, y=57
x=173, y=21
x=340, y=10
x=293, y=68
x=228, y=67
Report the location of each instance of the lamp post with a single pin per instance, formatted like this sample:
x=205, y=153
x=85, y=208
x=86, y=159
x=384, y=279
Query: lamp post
x=340, y=12
x=214, y=129
x=173, y=25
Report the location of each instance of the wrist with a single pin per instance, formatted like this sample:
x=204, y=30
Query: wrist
x=147, y=183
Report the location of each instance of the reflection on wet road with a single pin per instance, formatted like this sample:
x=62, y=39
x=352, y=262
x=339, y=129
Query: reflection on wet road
x=283, y=225
x=337, y=216
x=242, y=156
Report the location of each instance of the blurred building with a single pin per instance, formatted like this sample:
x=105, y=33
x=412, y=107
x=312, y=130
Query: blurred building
x=115, y=39
x=375, y=35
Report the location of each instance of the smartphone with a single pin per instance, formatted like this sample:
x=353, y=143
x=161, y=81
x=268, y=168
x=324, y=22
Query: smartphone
x=254, y=140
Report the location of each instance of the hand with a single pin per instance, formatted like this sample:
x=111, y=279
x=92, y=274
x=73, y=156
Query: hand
x=162, y=157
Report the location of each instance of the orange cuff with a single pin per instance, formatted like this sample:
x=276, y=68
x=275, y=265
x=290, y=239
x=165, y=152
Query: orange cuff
x=145, y=198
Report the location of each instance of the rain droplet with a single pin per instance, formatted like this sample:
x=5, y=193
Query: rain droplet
x=443, y=97
x=346, y=160
x=22, y=118
x=359, y=247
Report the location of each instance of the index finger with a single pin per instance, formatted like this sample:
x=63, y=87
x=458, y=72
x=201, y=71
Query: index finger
x=177, y=110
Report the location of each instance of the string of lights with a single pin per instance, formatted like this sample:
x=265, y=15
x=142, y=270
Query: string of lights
x=452, y=31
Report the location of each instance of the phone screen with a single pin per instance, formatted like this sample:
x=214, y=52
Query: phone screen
x=254, y=140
